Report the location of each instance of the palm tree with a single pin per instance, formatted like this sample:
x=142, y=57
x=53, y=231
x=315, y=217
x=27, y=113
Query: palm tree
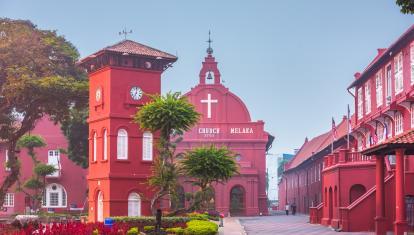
x=171, y=115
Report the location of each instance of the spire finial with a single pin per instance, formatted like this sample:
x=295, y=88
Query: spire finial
x=209, y=49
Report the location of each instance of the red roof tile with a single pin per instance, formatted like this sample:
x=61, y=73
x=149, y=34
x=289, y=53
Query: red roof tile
x=316, y=145
x=135, y=48
x=406, y=138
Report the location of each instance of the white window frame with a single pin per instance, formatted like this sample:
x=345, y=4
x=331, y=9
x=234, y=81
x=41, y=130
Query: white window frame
x=53, y=159
x=390, y=125
x=380, y=133
x=6, y=160
x=147, y=146
x=105, y=145
x=378, y=88
x=412, y=115
x=388, y=81
x=62, y=196
x=398, y=73
x=360, y=103
x=134, y=204
x=412, y=62
x=122, y=145
x=9, y=200
x=399, y=123
x=95, y=138
x=368, y=97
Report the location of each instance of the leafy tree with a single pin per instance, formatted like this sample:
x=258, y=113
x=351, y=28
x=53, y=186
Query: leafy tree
x=208, y=165
x=37, y=182
x=171, y=115
x=38, y=78
x=75, y=129
x=407, y=6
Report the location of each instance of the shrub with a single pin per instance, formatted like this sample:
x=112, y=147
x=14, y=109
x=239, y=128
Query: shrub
x=133, y=231
x=201, y=227
x=149, y=228
x=178, y=231
x=198, y=216
x=142, y=221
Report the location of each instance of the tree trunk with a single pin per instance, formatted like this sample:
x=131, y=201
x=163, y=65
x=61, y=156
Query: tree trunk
x=14, y=171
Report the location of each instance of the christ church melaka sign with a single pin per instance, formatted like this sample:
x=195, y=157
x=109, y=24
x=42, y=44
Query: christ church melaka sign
x=211, y=132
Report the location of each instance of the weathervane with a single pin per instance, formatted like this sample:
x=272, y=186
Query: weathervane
x=209, y=49
x=125, y=32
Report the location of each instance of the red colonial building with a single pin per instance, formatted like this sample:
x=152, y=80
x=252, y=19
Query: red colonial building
x=303, y=181
x=372, y=189
x=225, y=121
x=66, y=189
x=121, y=78
x=384, y=129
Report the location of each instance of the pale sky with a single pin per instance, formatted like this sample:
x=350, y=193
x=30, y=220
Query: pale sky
x=289, y=61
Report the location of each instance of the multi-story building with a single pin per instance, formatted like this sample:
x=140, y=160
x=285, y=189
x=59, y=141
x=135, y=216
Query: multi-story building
x=384, y=130
x=66, y=189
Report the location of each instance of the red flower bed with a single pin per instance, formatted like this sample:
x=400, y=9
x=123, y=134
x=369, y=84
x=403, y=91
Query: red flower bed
x=64, y=229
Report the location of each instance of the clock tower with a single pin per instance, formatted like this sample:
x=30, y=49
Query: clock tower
x=121, y=77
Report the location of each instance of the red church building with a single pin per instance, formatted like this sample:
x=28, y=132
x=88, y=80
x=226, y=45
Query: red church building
x=66, y=189
x=225, y=121
x=372, y=189
x=121, y=77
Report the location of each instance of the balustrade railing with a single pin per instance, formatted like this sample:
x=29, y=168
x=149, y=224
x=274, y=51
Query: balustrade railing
x=344, y=156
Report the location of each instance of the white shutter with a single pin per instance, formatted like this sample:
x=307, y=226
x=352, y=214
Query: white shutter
x=147, y=146
x=122, y=144
x=105, y=145
x=134, y=205
x=94, y=147
x=54, y=160
x=412, y=63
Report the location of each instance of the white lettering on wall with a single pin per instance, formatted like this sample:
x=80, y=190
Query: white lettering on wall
x=244, y=130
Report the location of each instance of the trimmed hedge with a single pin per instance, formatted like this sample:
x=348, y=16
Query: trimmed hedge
x=177, y=231
x=142, y=221
x=201, y=227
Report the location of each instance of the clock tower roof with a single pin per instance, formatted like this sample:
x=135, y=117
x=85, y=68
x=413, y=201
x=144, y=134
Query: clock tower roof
x=127, y=49
x=135, y=48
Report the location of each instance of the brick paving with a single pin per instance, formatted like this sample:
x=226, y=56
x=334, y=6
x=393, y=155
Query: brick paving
x=291, y=225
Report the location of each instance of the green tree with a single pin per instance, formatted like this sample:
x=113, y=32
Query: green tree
x=407, y=6
x=75, y=129
x=171, y=115
x=208, y=165
x=38, y=78
x=36, y=184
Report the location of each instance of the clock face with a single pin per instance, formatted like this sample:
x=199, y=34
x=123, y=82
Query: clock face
x=98, y=94
x=136, y=93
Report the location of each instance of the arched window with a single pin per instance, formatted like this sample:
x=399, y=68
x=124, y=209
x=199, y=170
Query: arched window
x=134, y=204
x=147, y=146
x=55, y=196
x=99, y=207
x=122, y=144
x=105, y=145
x=336, y=197
x=94, y=147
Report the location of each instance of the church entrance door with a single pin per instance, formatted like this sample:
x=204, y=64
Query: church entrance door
x=237, y=201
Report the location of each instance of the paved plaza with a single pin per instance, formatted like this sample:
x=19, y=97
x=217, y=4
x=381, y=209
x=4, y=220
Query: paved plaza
x=282, y=224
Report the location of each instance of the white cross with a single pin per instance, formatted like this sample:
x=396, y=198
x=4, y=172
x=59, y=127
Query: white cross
x=209, y=101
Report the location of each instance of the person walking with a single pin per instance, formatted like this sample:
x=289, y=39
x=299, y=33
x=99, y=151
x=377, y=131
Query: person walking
x=293, y=208
x=287, y=208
